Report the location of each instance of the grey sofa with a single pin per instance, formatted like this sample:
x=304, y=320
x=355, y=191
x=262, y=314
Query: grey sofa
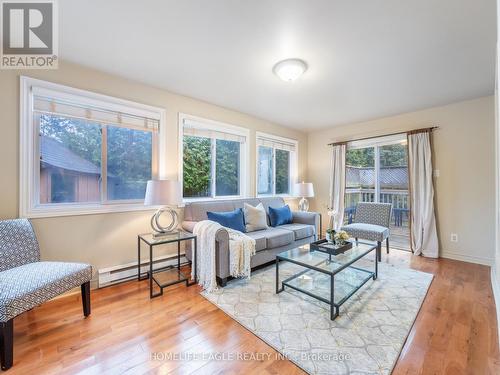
x=26, y=282
x=269, y=242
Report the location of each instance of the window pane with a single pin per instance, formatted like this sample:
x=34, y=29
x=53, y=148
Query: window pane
x=265, y=171
x=282, y=172
x=393, y=178
x=227, y=167
x=360, y=179
x=197, y=167
x=129, y=163
x=70, y=160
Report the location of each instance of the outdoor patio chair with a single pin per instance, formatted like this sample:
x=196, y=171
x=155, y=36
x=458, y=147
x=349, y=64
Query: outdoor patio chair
x=371, y=222
x=26, y=282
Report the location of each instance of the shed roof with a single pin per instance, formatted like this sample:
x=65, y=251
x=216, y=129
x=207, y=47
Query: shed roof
x=55, y=154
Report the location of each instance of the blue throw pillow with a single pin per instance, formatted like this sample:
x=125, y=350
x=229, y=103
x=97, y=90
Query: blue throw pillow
x=280, y=216
x=230, y=219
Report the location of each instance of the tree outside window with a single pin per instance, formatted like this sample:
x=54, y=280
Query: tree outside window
x=211, y=167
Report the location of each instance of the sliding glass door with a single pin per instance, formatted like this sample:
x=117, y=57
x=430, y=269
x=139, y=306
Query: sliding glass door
x=377, y=171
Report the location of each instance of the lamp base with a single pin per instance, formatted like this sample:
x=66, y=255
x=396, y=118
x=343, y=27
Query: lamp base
x=158, y=229
x=304, y=205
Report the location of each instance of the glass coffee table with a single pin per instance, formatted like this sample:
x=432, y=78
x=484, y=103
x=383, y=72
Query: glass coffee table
x=332, y=279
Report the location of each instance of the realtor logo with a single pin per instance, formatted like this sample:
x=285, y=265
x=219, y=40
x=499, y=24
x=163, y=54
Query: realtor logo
x=29, y=34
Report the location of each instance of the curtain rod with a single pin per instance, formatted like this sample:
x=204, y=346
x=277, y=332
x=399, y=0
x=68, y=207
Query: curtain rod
x=421, y=130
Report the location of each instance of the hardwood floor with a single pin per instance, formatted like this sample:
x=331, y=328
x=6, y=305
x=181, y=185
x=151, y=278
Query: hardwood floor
x=455, y=332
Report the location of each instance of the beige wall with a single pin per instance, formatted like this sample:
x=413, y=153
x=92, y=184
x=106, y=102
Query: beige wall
x=464, y=153
x=496, y=268
x=108, y=239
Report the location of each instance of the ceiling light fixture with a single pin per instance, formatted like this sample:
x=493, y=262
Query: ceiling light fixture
x=290, y=69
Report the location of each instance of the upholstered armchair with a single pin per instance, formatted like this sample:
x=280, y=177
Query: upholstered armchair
x=26, y=282
x=371, y=222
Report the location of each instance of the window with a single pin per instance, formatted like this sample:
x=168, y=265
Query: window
x=90, y=153
x=377, y=171
x=213, y=159
x=276, y=165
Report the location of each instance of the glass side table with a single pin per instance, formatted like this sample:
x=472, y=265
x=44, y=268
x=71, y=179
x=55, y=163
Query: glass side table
x=169, y=275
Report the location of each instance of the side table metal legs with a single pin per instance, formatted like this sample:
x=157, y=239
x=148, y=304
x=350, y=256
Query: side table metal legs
x=170, y=274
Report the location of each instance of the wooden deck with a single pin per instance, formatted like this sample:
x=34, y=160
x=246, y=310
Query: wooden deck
x=400, y=238
x=455, y=332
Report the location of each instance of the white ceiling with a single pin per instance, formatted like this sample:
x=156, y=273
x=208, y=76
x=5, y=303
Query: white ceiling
x=366, y=59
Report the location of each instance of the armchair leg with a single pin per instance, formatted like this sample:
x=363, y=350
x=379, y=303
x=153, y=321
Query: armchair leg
x=7, y=344
x=379, y=251
x=86, y=298
x=387, y=244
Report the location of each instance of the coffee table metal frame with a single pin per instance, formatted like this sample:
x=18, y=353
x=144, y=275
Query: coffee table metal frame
x=334, y=307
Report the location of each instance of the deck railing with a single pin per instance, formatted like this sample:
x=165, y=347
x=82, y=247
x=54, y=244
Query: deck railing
x=398, y=199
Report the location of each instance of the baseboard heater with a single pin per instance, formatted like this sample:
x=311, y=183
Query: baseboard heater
x=125, y=272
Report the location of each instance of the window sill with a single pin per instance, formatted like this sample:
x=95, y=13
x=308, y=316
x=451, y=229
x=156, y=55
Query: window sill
x=43, y=212
x=284, y=196
x=209, y=199
x=193, y=200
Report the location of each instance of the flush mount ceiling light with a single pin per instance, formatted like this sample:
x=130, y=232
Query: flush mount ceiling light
x=289, y=70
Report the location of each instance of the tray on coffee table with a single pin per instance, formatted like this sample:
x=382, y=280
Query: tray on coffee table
x=330, y=248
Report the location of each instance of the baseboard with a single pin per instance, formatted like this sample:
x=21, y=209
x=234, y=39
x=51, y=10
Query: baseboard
x=496, y=296
x=125, y=272
x=466, y=258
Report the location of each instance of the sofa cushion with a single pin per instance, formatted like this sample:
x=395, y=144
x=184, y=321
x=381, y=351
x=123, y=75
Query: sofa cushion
x=197, y=211
x=280, y=215
x=260, y=238
x=29, y=285
x=255, y=217
x=299, y=230
x=231, y=219
x=278, y=237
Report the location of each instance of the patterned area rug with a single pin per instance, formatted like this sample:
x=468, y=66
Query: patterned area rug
x=366, y=338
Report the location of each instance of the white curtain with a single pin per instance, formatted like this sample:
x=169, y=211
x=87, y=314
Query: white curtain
x=424, y=238
x=337, y=185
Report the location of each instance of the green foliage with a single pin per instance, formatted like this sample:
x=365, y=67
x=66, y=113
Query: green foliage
x=390, y=156
x=129, y=162
x=282, y=171
x=361, y=157
x=197, y=165
x=227, y=167
x=393, y=156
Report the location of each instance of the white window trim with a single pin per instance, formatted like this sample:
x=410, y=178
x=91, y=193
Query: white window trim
x=379, y=141
x=294, y=165
x=222, y=127
x=29, y=158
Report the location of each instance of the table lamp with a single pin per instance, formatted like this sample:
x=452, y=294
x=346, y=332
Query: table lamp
x=166, y=193
x=304, y=190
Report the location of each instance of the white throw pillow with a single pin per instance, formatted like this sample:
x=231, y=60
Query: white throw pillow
x=255, y=217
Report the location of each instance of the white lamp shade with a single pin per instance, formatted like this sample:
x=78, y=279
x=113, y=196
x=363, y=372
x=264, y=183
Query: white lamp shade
x=304, y=189
x=162, y=193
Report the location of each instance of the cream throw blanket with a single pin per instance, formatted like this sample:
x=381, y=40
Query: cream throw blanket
x=241, y=249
